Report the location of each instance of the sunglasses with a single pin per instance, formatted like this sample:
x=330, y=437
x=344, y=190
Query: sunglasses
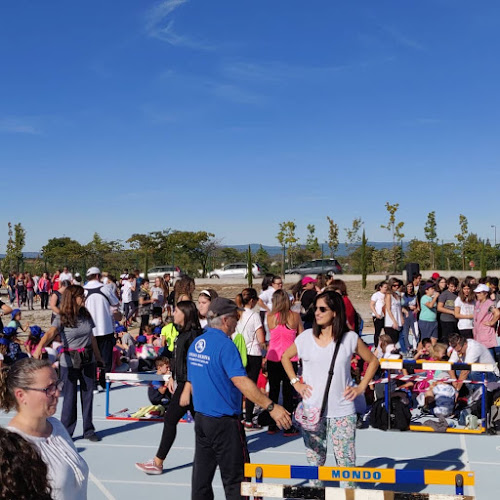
x=321, y=309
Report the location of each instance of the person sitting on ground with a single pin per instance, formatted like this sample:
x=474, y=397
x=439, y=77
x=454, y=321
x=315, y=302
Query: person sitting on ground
x=157, y=390
x=31, y=344
x=15, y=352
x=146, y=354
x=24, y=474
x=16, y=321
x=386, y=348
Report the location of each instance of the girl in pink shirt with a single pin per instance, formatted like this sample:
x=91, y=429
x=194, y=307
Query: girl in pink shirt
x=486, y=316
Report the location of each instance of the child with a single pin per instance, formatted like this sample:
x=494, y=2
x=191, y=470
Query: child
x=31, y=344
x=156, y=321
x=146, y=354
x=16, y=321
x=386, y=348
x=15, y=353
x=157, y=390
x=156, y=341
x=168, y=335
x=427, y=323
x=125, y=342
x=4, y=349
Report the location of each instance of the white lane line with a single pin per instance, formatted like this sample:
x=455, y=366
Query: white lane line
x=152, y=483
x=463, y=444
x=101, y=487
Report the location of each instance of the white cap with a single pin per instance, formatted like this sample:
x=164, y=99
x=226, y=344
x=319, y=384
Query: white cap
x=482, y=288
x=93, y=270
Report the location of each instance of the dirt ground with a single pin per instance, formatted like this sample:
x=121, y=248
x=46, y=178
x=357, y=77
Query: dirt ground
x=359, y=297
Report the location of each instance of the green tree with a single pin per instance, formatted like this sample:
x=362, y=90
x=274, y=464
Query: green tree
x=199, y=247
x=333, y=236
x=60, y=252
x=418, y=251
x=395, y=228
x=312, y=244
x=10, y=261
x=262, y=258
x=230, y=255
x=146, y=244
x=352, y=237
x=431, y=236
x=461, y=237
x=288, y=240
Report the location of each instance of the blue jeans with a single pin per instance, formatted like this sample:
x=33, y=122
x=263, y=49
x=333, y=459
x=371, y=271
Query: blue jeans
x=404, y=341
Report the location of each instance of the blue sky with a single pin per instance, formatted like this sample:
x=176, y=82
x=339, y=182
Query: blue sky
x=232, y=116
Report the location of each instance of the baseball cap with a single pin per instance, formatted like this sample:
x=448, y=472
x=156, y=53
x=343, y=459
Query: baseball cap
x=142, y=339
x=482, y=288
x=36, y=331
x=8, y=331
x=93, y=270
x=429, y=285
x=307, y=280
x=220, y=306
x=120, y=328
x=4, y=341
x=157, y=330
x=15, y=312
x=435, y=276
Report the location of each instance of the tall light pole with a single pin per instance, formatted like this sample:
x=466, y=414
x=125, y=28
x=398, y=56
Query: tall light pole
x=494, y=226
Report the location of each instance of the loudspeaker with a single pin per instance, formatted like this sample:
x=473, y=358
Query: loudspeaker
x=411, y=269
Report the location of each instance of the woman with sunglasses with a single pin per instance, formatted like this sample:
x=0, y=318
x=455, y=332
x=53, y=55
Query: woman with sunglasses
x=315, y=347
x=78, y=359
x=30, y=387
x=393, y=320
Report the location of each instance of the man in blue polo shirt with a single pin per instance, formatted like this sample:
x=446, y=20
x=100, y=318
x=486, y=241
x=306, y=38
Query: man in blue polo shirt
x=217, y=379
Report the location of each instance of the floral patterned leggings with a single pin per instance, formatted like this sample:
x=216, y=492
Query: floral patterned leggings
x=341, y=432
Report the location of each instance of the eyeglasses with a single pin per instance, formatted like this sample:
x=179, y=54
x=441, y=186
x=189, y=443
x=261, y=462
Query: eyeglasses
x=49, y=391
x=279, y=283
x=322, y=309
x=395, y=285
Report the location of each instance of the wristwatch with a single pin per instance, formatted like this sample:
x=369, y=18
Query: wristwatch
x=270, y=408
x=294, y=380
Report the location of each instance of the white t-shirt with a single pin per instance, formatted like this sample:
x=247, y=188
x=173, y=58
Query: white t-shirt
x=267, y=297
x=127, y=292
x=379, y=299
x=66, y=276
x=158, y=295
x=316, y=362
x=468, y=309
x=67, y=470
x=396, y=312
x=248, y=325
x=99, y=307
x=475, y=353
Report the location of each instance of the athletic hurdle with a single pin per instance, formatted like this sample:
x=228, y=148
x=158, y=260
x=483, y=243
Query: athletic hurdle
x=353, y=474
x=419, y=364
x=131, y=379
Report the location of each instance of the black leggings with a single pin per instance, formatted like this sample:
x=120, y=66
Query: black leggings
x=254, y=364
x=44, y=297
x=278, y=376
x=173, y=414
x=144, y=322
x=378, y=323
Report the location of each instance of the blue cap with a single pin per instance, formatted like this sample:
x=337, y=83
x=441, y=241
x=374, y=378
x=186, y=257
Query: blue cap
x=4, y=341
x=15, y=312
x=8, y=331
x=157, y=330
x=36, y=331
x=142, y=339
x=120, y=328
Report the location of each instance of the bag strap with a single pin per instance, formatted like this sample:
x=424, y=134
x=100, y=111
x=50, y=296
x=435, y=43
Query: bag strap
x=330, y=376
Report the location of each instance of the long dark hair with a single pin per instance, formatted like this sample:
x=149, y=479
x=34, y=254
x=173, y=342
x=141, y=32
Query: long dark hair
x=191, y=321
x=335, y=302
x=70, y=311
x=266, y=282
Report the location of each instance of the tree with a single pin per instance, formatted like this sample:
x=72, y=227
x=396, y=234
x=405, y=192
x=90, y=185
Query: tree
x=199, y=246
x=229, y=255
x=10, y=254
x=364, y=261
x=262, y=258
x=462, y=237
x=431, y=236
x=395, y=228
x=418, y=251
x=312, y=244
x=333, y=236
x=352, y=233
x=146, y=244
x=288, y=240
x=60, y=252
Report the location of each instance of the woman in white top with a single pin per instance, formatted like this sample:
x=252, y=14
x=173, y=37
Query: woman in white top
x=393, y=320
x=315, y=347
x=31, y=387
x=377, y=305
x=464, y=310
x=250, y=326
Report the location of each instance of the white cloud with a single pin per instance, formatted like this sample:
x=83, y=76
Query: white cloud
x=18, y=125
x=159, y=25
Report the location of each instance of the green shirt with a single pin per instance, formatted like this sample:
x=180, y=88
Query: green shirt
x=427, y=314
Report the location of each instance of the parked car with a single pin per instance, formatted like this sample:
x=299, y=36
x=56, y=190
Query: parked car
x=159, y=271
x=235, y=270
x=317, y=266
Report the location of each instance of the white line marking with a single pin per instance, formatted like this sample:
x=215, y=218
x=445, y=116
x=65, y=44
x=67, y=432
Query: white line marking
x=463, y=444
x=101, y=487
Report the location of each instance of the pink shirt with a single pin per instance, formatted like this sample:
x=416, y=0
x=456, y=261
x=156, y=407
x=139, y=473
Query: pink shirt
x=483, y=311
x=281, y=338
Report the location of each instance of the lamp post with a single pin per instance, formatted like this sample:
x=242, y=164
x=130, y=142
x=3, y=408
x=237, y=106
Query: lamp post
x=495, y=227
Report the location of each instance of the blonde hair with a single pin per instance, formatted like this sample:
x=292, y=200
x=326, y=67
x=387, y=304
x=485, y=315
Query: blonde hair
x=281, y=306
x=437, y=351
x=20, y=374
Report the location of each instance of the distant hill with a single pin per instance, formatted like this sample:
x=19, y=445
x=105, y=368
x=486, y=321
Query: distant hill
x=341, y=252
x=27, y=255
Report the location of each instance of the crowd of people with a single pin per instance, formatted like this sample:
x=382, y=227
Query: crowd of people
x=229, y=362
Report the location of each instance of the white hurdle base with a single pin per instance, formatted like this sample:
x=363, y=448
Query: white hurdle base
x=310, y=492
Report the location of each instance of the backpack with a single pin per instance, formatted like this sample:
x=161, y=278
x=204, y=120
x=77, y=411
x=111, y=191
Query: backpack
x=400, y=413
x=358, y=323
x=241, y=345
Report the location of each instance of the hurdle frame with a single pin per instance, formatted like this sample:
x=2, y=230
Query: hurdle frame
x=457, y=478
x=400, y=364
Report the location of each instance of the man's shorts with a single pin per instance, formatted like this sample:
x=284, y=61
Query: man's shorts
x=428, y=329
